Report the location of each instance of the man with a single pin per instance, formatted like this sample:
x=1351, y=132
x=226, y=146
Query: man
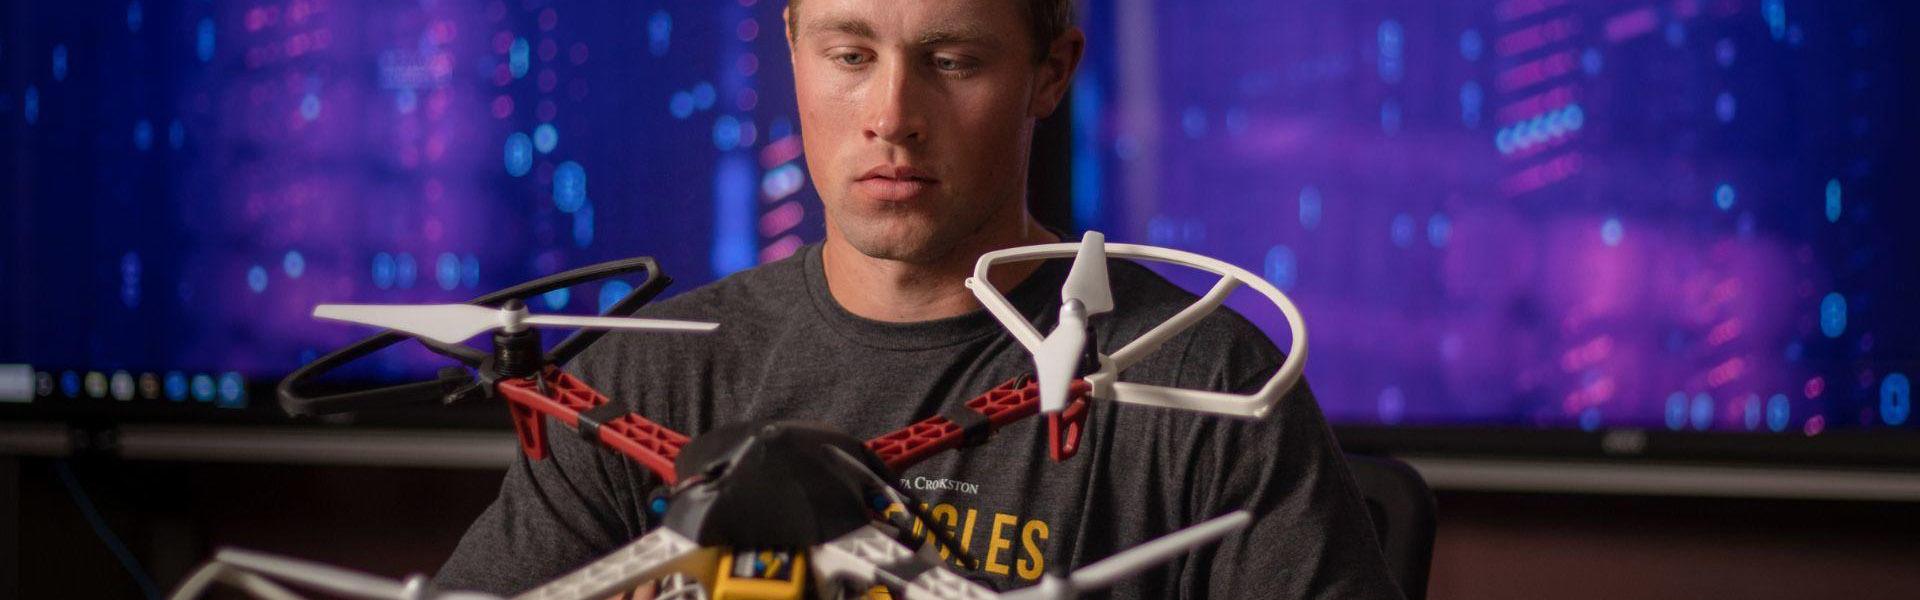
x=917, y=118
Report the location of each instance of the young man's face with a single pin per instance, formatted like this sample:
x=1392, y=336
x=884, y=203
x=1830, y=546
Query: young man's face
x=917, y=116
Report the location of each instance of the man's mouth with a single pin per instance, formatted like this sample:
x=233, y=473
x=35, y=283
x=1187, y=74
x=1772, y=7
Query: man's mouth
x=893, y=183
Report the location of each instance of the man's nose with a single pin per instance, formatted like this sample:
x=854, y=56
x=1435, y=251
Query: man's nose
x=896, y=113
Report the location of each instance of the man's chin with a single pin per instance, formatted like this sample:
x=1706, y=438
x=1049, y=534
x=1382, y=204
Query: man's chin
x=898, y=239
x=912, y=251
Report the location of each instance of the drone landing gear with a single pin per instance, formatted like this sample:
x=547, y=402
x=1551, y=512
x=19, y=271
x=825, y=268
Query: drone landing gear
x=1063, y=430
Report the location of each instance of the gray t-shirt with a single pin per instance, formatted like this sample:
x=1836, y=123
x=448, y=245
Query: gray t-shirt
x=787, y=350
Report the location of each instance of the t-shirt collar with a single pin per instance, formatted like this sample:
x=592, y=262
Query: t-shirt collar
x=1031, y=297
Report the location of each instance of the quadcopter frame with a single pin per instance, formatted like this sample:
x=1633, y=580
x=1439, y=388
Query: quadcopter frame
x=536, y=389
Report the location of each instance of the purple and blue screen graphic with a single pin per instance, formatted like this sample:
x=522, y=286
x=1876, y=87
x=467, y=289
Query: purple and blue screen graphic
x=189, y=178
x=1690, y=215
x=1677, y=215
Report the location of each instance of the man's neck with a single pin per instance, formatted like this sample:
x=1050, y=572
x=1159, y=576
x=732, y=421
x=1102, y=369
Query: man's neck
x=902, y=292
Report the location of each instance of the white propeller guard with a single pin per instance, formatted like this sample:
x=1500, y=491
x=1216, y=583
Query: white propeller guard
x=1106, y=384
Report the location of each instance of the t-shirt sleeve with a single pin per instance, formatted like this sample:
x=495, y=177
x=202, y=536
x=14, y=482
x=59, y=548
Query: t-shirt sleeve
x=551, y=516
x=1311, y=536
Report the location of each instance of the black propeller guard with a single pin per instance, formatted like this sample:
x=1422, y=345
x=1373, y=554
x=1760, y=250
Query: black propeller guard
x=453, y=383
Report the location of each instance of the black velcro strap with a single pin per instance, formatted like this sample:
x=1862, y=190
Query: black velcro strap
x=597, y=416
x=974, y=427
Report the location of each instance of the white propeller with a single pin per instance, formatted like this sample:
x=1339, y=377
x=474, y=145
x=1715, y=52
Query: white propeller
x=454, y=323
x=1058, y=356
x=1087, y=281
x=1112, y=569
x=1086, y=293
x=1087, y=287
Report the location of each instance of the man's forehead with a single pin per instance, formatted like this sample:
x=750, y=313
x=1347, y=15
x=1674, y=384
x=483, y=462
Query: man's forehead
x=923, y=21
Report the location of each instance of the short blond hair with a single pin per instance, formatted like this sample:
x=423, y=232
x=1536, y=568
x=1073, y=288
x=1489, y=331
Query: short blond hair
x=1048, y=20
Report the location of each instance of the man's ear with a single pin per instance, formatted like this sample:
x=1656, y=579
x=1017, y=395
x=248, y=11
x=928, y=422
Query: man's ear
x=1055, y=75
x=786, y=19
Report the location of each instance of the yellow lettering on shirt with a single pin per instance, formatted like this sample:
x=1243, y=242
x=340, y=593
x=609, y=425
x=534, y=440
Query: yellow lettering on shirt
x=947, y=513
x=1035, y=564
x=997, y=543
x=966, y=534
x=1028, y=563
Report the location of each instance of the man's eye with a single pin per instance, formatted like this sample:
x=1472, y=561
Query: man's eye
x=850, y=59
x=949, y=64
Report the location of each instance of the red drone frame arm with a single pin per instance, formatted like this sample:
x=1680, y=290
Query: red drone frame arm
x=1006, y=403
x=646, y=442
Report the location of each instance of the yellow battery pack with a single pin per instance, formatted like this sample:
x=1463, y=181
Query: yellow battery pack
x=756, y=574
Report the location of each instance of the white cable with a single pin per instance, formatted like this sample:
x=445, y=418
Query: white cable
x=1112, y=569
x=196, y=583
x=214, y=570
x=260, y=587
x=314, y=575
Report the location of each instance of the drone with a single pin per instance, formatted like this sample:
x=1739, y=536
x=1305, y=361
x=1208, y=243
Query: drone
x=846, y=528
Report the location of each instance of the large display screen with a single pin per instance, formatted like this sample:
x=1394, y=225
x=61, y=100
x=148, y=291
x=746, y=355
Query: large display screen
x=189, y=178
x=1675, y=215
x=1689, y=215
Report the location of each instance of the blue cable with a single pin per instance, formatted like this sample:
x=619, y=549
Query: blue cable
x=119, y=550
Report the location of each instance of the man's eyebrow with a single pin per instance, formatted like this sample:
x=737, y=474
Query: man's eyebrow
x=952, y=34
x=853, y=27
x=934, y=36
